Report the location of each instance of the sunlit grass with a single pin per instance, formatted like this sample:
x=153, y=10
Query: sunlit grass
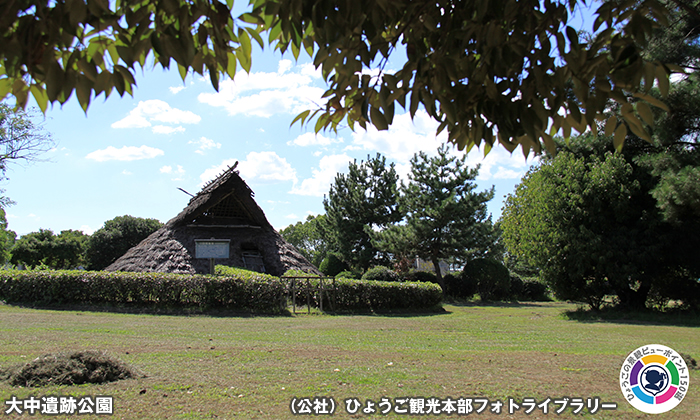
x=201, y=367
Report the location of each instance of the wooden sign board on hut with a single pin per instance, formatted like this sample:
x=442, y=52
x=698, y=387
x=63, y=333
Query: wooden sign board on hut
x=211, y=249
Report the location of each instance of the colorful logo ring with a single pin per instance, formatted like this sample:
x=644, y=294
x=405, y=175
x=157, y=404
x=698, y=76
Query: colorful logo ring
x=654, y=378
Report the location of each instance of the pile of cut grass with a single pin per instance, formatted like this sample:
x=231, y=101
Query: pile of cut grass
x=72, y=368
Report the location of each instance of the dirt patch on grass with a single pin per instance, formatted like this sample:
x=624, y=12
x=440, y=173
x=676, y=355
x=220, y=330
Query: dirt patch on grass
x=72, y=368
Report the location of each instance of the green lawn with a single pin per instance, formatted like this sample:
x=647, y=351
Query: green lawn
x=206, y=367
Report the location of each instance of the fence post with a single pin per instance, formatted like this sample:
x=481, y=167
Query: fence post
x=320, y=293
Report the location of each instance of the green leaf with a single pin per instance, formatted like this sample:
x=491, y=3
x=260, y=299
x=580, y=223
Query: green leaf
x=651, y=100
x=183, y=71
x=636, y=126
x=214, y=77
x=321, y=123
x=39, y=94
x=5, y=87
x=256, y=36
x=231, y=65
x=302, y=116
x=645, y=112
x=662, y=79
x=619, y=138
x=102, y=83
x=244, y=59
x=378, y=119
x=83, y=89
x=610, y=126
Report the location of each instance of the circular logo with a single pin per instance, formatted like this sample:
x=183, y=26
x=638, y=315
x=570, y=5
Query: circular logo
x=654, y=379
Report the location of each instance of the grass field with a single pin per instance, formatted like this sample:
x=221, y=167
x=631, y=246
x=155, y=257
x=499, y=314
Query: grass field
x=224, y=367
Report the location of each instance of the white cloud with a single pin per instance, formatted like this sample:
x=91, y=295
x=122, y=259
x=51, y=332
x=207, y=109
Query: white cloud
x=176, y=89
x=405, y=138
x=87, y=229
x=125, y=153
x=267, y=167
x=323, y=177
x=499, y=164
x=261, y=167
x=125, y=172
x=262, y=94
x=164, y=129
x=504, y=173
x=205, y=144
x=291, y=216
x=312, y=139
x=402, y=140
x=178, y=172
x=155, y=110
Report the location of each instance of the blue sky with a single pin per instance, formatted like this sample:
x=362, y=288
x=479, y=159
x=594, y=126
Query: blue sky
x=129, y=155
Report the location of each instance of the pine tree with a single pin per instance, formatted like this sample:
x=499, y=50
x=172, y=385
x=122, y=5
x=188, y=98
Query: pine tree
x=445, y=217
x=362, y=201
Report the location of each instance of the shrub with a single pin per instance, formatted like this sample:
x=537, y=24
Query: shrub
x=422, y=276
x=236, y=289
x=298, y=273
x=380, y=273
x=459, y=286
x=517, y=287
x=348, y=294
x=245, y=290
x=535, y=291
x=678, y=286
x=492, y=278
x=347, y=274
x=332, y=265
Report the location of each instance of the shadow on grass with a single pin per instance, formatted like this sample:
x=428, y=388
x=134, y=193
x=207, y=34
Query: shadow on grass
x=228, y=313
x=498, y=304
x=153, y=310
x=675, y=317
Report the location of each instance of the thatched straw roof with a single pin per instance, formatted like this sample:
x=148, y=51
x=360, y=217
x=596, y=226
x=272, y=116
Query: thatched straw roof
x=223, y=209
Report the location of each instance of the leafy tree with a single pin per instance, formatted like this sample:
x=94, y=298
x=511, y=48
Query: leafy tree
x=7, y=239
x=21, y=140
x=494, y=70
x=587, y=220
x=308, y=237
x=62, y=251
x=32, y=249
x=70, y=248
x=445, y=217
x=357, y=203
x=116, y=237
x=596, y=222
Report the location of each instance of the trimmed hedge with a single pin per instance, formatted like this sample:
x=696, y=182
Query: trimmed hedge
x=380, y=273
x=348, y=294
x=235, y=289
x=422, y=276
x=246, y=290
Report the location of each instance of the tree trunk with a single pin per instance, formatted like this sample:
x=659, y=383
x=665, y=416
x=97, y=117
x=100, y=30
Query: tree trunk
x=635, y=299
x=438, y=274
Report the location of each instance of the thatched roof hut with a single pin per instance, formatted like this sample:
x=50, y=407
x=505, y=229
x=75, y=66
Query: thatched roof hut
x=223, y=209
